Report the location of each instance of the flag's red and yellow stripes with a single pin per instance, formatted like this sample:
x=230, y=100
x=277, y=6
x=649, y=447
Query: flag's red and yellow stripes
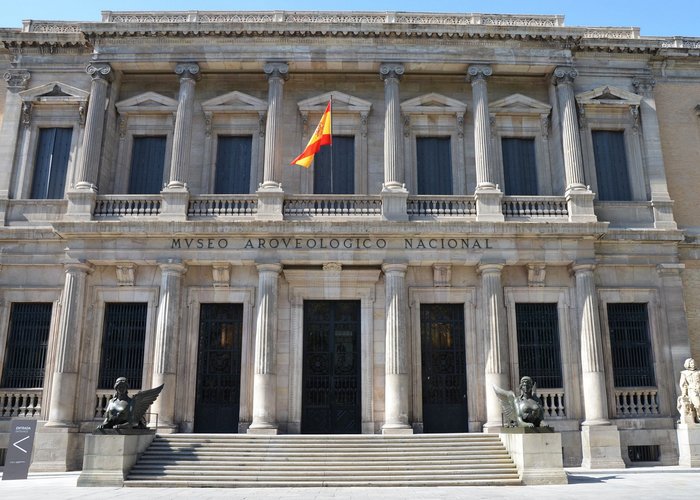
x=321, y=137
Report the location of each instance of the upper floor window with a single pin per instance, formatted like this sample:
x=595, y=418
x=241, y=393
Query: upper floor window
x=519, y=166
x=51, y=163
x=233, y=156
x=334, y=167
x=434, y=165
x=611, y=165
x=147, y=161
x=27, y=344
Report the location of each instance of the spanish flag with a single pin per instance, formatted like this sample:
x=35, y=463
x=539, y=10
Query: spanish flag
x=321, y=137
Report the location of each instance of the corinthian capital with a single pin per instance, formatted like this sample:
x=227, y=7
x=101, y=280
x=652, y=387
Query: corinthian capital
x=188, y=70
x=102, y=71
x=564, y=74
x=391, y=70
x=478, y=72
x=17, y=79
x=644, y=85
x=276, y=70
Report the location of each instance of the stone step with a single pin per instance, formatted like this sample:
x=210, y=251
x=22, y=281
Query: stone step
x=294, y=461
x=356, y=482
x=327, y=467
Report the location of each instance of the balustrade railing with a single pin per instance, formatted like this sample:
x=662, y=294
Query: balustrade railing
x=102, y=397
x=127, y=205
x=430, y=207
x=307, y=206
x=216, y=206
x=20, y=403
x=535, y=206
x=553, y=402
x=636, y=402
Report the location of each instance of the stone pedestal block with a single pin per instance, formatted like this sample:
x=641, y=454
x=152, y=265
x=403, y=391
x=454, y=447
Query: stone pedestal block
x=56, y=449
x=175, y=203
x=270, y=201
x=600, y=445
x=580, y=206
x=537, y=454
x=394, y=204
x=663, y=214
x=81, y=203
x=109, y=457
x=488, y=205
x=688, y=445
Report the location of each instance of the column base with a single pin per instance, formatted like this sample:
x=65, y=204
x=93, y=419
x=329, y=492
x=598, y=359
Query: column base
x=537, y=453
x=81, y=203
x=688, y=445
x=488, y=204
x=396, y=429
x=262, y=430
x=663, y=214
x=270, y=201
x=394, y=200
x=579, y=203
x=57, y=448
x=175, y=203
x=600, y=445
x=108, y=458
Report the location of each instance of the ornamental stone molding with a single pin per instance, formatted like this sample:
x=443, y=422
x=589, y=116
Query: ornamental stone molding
x=99, y=71
x=125, y=273
x=564, y=74
x=17, y=79
x=478, y=72
x=644, y=85
x=188, y=70
x=391, y=70
x=221, y=274
x=276, y=70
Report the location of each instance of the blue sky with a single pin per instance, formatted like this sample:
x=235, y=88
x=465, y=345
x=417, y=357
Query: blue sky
x=654, y=17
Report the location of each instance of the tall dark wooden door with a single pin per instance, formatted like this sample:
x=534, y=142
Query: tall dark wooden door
x=219, y=368
x=444, y=368
x=331, y=376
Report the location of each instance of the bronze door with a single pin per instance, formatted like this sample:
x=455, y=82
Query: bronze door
x=443, y=368
x=219, y=368
x=331, y=370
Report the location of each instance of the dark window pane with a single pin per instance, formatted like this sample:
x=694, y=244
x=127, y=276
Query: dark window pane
x=519, y=166
x=27, y=342
x=51, y=163
x=630, y=345
x=611, y=165
x=334, y=166
x=233, y=155
x=434, y=165
x=538, y=343
x=123, y=340
x=147, y=162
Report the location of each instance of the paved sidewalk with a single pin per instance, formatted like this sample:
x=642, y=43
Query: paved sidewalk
x=636, y=483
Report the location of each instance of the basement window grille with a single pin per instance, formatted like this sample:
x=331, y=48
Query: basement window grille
x=644, y=453
x=2, y=456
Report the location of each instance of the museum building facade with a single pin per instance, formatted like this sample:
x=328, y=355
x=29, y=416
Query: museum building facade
x=494, y=204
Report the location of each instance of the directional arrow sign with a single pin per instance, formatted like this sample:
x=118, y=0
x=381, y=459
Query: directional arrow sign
x=19, y=455
x=16, y=445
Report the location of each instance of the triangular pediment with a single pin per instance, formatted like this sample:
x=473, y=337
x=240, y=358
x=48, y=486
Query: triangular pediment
x=342, y=103
x=148, y=102
x=518, y=104
x=433, y=104
x=55, y=92
x=235, y=102
x=607, y=94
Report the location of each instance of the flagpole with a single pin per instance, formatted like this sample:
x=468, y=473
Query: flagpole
x=330, y=116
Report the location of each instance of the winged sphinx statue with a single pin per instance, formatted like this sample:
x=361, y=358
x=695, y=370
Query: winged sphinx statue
x=524, y=410
x=125, y=412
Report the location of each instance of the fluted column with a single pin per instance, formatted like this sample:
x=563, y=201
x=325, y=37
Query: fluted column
x=497, y=362
x=166, y=342
x=16, y=80
x=88, y=165
x=182, y=137
x=571, y=140
x=397, y=353
x=393, y=137
x=277, y=73
x=485, y=176
x=64, y=387
x=592, y=364
x=660, y=199
x=265, y=381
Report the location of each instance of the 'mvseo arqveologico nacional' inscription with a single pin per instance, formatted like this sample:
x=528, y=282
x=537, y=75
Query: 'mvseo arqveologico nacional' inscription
x=330, y=243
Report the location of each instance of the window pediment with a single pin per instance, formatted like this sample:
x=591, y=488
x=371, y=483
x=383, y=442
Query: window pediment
x=55, y=93
x=518, y=104
x=342, y=103
x=609, y=96
x=433, y=103
x=147, y=103
x=235, y=102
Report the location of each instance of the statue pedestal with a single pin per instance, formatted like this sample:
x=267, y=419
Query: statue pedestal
x=688, y=445
x=110, y=455
x=600, y=445
x=537, y=453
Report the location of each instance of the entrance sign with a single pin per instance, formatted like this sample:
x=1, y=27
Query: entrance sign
x=19, y=450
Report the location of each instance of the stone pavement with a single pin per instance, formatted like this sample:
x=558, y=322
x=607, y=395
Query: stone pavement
x=647, y=483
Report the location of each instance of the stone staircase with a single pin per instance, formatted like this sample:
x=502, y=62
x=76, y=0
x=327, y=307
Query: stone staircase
x=230, y=460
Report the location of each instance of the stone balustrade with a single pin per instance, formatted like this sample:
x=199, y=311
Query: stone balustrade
x=24, y=403
x=102, y=397
x=553, y=403
x=307, y=206
x=535, y=206
x=127, y=205
x=217, y=206
x=635, y=402
x=430, y=207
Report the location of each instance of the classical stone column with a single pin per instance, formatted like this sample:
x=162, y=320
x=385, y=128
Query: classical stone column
x=660, y=199
x=397, y=353
x=16, y=80
x=497, y=362
x=270, y=194
x=579, y=197
x=182, y=136
x=488, y=195
x=166, y=343
x=265, y=380
x=600, y=440
x=64, y=387
x=394, y=194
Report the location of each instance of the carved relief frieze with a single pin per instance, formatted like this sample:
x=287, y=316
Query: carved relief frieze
x=126, y=273
x=442, y=275
x=536, y=274
x=221, y=274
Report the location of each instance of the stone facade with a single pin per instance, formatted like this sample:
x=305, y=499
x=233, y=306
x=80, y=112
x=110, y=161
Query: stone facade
x=388, y=247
